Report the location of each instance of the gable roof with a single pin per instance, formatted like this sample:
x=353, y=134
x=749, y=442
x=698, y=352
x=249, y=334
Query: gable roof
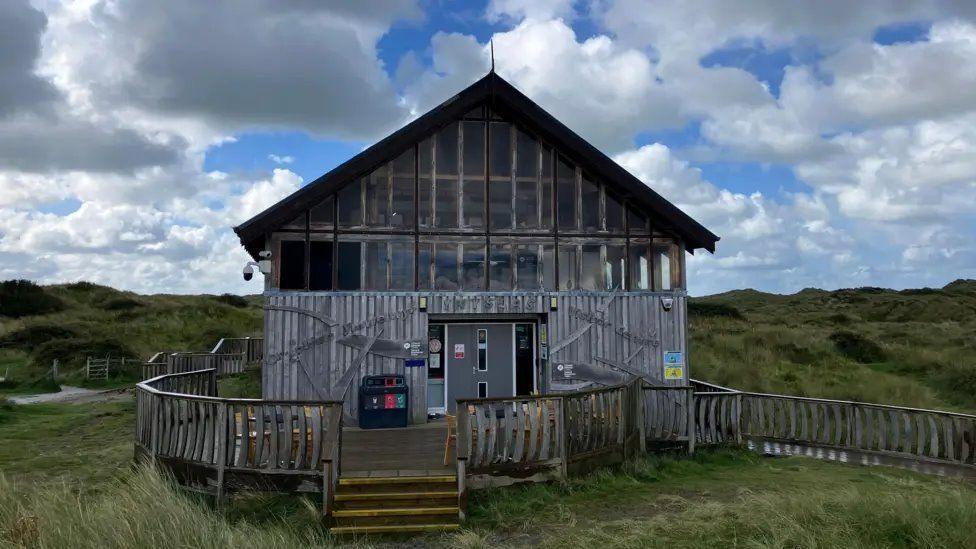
x=506, y=100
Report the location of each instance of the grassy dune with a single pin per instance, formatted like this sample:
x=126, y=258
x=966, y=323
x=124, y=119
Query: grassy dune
x=912, y=347
x=83, y=319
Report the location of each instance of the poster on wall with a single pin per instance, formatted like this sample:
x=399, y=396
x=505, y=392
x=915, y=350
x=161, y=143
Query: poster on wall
x=674, y=365
x=459, y=350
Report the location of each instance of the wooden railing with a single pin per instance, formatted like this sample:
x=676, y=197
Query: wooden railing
x=251, y=347
x=546, y=436
x=668, y=413
x=214, y=444
x=726, y=416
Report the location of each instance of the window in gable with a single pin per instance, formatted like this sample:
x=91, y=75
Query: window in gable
x=590, y=204
x=291, y=264
x=527, y=190
x=322, y=216
x=500, y=175
x=446, y=168
x=378, y=197
x=473, y=166
x=402, y=190
x=350, y=204
x=614, y=211
x=566, y=194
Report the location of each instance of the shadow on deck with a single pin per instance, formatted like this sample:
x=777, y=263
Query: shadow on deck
x=415, y=450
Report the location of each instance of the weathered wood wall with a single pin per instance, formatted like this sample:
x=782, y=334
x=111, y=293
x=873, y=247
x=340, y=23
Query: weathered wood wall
x=313, y=338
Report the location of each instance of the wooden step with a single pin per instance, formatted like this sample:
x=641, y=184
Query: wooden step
x=396, y=511
x=393, y=529
x=360, y=496
x=370, y=481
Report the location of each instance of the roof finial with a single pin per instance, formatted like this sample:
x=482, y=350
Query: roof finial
x=491, y=44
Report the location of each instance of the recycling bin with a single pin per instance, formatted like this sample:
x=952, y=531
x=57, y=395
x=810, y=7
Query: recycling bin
x=383, y=402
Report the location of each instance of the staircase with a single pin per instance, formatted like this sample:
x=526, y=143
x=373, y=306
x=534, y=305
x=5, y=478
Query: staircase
x=395, y=505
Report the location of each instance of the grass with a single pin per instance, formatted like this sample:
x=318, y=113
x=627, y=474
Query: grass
x=93, y=320
x=911, y=348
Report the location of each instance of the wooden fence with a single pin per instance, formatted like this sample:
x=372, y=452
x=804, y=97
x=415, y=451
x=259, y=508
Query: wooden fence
x=545, y=437
x=726, y=416
x=252, y=347
x=216, y=445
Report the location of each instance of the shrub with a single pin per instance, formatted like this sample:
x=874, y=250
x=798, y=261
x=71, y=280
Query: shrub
x=31, y=335
x=857, y=347
x=708, y=309
x=74, y=351
x=120, y=304
x=232, y=300
x=19, y=298
x=959, y=380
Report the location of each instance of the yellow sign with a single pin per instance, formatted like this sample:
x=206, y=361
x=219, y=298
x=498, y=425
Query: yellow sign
x=674, y=372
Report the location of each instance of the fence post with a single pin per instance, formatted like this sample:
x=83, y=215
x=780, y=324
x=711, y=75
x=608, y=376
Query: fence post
x=561, y=432
x=691, y=420
x=221, y=451
x=642, y=416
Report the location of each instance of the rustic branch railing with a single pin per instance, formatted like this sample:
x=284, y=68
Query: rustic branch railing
x=214, y=444
x=668, y=415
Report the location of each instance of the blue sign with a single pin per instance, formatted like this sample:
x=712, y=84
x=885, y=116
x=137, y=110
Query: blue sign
x=673, y=357
x=415, y=362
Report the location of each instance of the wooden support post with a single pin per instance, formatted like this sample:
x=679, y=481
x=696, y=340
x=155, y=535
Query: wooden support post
x=221, y=427
x=691, y=420
x=462, y=487
x=737, y=419
x=561, y=433
x=642, y=416
x=327, y=495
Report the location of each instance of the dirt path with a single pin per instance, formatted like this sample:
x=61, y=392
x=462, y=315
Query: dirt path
x=76, y=395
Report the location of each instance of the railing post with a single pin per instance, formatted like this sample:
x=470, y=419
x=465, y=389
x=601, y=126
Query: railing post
x=561, y=433
x=462, y=487
x=642, y=416
x=691, y=420
x=221, y=451
x=738, y=419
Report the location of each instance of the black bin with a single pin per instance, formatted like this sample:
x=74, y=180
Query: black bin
x=383, y=402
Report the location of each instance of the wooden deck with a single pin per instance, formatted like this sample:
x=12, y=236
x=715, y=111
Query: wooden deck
x=415, y=450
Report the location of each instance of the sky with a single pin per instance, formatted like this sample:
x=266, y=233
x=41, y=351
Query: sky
x=829, y=144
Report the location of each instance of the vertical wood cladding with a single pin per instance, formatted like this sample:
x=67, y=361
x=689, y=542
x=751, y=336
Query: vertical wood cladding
x=311, y=339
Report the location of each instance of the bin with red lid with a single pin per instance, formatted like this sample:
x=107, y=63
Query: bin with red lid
x=383, y=402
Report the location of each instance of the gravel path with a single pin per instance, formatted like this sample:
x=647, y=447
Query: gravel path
x=75, y=395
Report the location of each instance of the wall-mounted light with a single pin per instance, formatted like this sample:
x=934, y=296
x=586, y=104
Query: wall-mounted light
x=422, y=303
x=553, y=303
x=667, y=303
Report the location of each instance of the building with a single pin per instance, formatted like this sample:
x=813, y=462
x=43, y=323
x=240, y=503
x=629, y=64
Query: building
x=483, y=250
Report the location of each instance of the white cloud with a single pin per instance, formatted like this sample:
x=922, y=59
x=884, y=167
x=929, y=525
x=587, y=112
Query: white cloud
x=283, y=159
x=500, y=10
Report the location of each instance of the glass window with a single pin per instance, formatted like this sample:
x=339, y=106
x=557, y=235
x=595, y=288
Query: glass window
x=401, y=265
x=446, y=166
x=591, y=271
x=350, y=204
x=614, y=266
x=375, y=266
x=568, y=271
x=477, y=112
x=590, y=215
x=662, y=264
x=297, y=223
x=545, y=221
x=549, y=267
x=526, y=181
x=378, y=197
x=500, y=171
x=401, y=213
x=445, y=266
x=473, y=267
x=614, y=212
x=320, y=265
x=349, y=266
x=473, y=203
x=500, y=269
x=425, y=266
x=322, y=216
x=425, y=183
x=527, y=267
x=640, y=265
x=566, y=194
x=636, y=221
x=291, y=265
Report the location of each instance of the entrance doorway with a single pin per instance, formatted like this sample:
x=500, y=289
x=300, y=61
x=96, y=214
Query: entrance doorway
x=488, y=360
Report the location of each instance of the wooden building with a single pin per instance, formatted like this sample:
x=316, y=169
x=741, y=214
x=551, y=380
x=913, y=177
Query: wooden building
x=483, y=250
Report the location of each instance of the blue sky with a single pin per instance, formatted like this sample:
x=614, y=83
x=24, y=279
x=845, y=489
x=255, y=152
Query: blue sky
x=826, y=143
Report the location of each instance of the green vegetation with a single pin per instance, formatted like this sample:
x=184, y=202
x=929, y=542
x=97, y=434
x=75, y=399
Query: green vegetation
x=71, y=322
x=909, y=347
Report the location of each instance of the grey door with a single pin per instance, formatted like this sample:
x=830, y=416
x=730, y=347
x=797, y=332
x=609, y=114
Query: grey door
x=480, y=362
